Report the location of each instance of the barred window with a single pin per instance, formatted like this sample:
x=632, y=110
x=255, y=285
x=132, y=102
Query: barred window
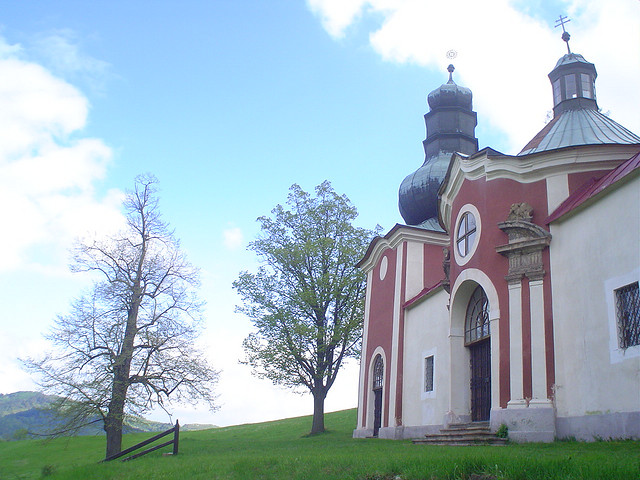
x=378, y=372
x=428, y=374
x=628, y=315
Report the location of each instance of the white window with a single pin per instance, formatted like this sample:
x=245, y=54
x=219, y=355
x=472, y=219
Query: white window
x=466, y=236
x=428, y=374
x=467, y=233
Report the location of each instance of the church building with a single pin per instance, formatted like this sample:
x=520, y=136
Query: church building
x=510, y=296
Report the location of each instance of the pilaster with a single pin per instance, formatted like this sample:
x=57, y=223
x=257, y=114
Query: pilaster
x=524, y=251
x=515, y=341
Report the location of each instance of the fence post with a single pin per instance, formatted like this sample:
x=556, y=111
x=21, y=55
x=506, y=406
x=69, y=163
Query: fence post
x=176, y=436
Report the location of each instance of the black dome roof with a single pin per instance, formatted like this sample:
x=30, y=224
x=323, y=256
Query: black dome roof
x=450, y=95
x=450, y=128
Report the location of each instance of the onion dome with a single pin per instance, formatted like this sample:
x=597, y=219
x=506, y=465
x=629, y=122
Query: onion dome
x=450, y=126
x=450, y=95
x=576, y=118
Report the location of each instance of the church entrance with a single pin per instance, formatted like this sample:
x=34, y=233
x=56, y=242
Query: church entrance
x=480, y=380
x=378, y=375
x=477, y=340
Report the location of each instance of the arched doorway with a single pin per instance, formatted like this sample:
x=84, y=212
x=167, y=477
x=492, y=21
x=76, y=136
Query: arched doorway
x=378, y=376
x=477, y=340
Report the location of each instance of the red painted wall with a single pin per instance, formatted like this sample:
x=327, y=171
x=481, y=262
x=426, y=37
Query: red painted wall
x=433, y=272
x=493, y=199
x=576, y=180
x=381, y=324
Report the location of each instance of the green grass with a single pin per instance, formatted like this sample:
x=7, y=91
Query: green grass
x=282, y=450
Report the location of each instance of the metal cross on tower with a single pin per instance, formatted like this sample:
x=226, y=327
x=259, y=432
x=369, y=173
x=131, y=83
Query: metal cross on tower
x=565, y=35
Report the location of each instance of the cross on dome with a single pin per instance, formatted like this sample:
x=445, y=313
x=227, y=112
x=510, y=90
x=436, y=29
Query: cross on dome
x=565, y=35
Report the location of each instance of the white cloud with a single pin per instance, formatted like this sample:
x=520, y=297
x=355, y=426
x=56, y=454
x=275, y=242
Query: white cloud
x=14, y=346
x=504, y=54
x=337, y=15
x=233, y=238
x=47, y=175
x=61, y=52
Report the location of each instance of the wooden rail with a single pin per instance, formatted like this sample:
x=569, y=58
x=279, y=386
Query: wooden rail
x=176, y=434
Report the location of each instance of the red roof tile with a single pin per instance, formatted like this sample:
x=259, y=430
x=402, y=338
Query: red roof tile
x=594, y=187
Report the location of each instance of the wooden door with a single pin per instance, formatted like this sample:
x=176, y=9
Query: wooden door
x=377, y=410
x=480, y=380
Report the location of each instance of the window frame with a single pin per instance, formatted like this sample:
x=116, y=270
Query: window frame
x=469, y=209
x=429, y=374
x=468, y=236
x=378, y=372
x=610, y=285
x=473, y=330
x=627, y=297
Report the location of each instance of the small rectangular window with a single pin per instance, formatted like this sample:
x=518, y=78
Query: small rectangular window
x=586, y=85
x=628, y=315
x=557, y=95
x=570, y=86
x=428, y=374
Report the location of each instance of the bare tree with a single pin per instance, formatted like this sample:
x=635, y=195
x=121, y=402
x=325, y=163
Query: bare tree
x=128, y=344
x=306, y=300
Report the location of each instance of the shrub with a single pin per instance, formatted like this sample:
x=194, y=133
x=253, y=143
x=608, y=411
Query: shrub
x=503, y=431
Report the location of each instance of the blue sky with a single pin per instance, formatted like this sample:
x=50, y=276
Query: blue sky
x=228, y=103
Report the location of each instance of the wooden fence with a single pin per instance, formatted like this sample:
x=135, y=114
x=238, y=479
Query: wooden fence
x=176, y=433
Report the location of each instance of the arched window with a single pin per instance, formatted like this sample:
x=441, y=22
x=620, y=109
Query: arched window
x=378, y=372
x=477, y=320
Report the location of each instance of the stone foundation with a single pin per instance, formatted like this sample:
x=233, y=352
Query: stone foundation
x=534, y=424
x=526, y=424
x=607, y=426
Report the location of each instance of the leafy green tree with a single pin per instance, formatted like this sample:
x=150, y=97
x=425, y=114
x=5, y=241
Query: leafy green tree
x=307, y=298
x=128, y=345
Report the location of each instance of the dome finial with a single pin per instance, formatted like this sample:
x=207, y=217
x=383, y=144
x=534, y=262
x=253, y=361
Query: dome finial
x=450, y=69
x=565, y=35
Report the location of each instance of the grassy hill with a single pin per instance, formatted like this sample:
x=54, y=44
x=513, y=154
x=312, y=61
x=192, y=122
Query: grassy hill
x=282, y=450
x=23, y=414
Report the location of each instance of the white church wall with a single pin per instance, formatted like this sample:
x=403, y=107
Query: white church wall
x=415, y=269
x=557, y=190
x=426, y=334
x=593, y=252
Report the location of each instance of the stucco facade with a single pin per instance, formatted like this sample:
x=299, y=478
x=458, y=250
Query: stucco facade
x=503, y=308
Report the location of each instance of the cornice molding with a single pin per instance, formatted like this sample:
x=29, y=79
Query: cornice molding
x=493, y=165
x=398, y=234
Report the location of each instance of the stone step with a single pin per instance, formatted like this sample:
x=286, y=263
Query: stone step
x=463, y=434
x=469, y=430
x=468, y=426
x=484, y=441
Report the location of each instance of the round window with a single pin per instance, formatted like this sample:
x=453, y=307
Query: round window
x=466, y=234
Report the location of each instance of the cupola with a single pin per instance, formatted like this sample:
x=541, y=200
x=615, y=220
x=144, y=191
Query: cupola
x=450, y=126
x=574, y=84
x=576, y=118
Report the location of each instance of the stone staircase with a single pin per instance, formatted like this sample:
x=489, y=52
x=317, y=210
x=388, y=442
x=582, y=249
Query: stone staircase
x=475, y=433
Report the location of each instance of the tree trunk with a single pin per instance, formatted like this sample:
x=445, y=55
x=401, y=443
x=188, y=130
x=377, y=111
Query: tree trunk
x=319, y=394
x=121, y=370
x=113, y=429
x=115, y=415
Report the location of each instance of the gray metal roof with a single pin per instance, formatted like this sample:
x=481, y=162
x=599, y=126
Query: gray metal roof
x=431, y=224
x=571, y=58
x=579, y=127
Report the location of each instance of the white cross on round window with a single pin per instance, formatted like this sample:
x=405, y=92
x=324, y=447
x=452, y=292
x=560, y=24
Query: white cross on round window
x=466, y=234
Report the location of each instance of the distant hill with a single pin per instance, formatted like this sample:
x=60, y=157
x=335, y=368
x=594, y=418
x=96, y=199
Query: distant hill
x=22, y=401
x=25, y=414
